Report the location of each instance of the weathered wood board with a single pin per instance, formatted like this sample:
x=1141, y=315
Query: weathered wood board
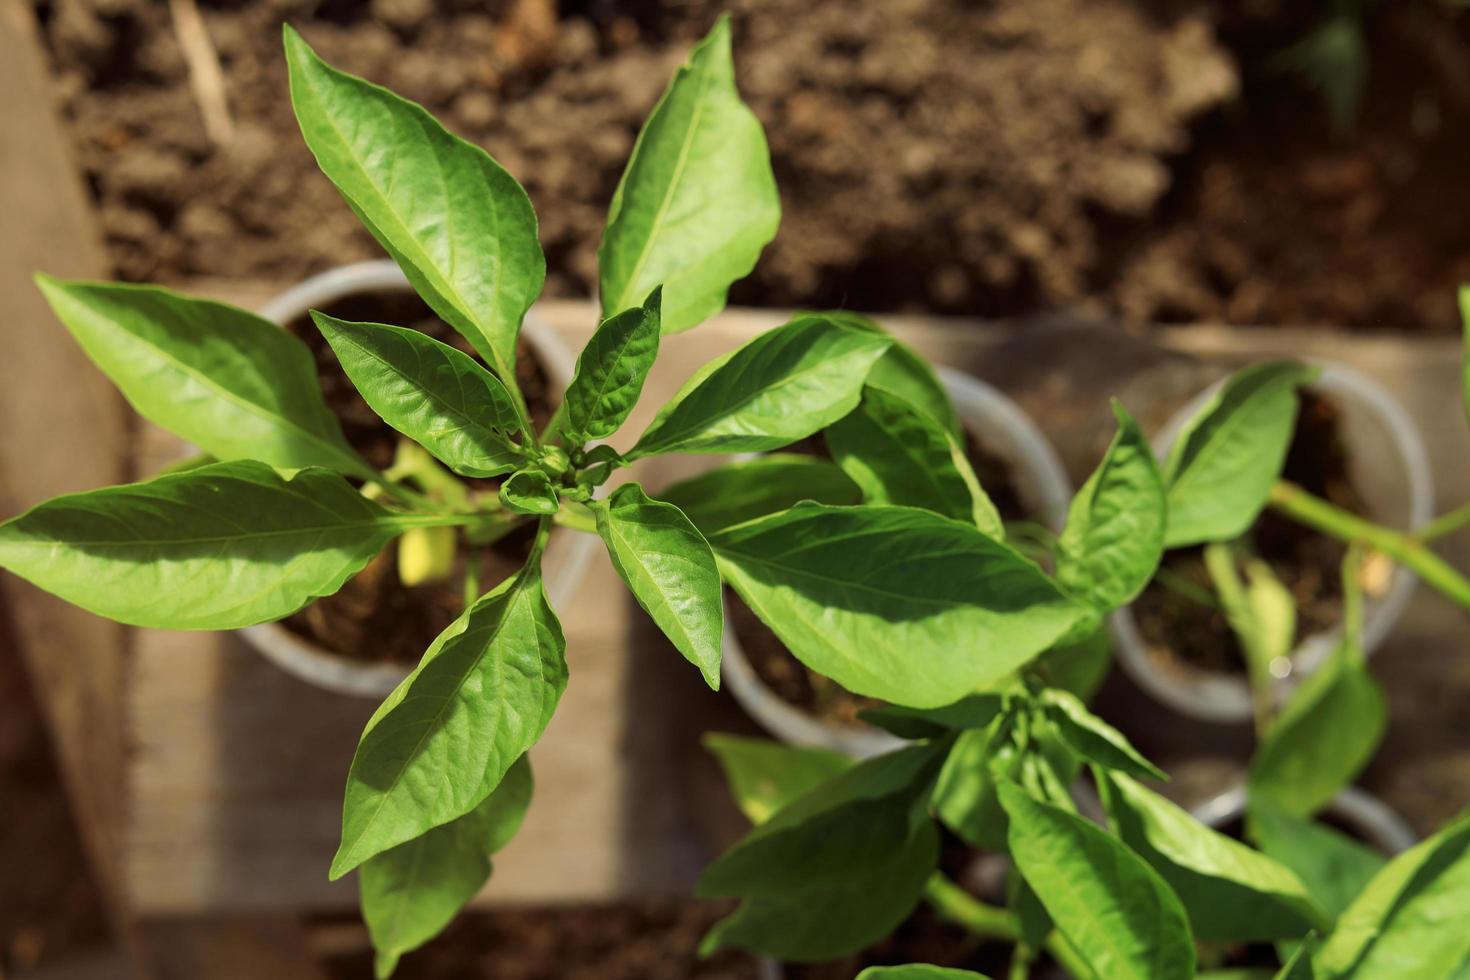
x=236, y=778
x=65, y=429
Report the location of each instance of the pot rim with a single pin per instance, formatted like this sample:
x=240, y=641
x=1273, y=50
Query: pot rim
x=1007, y=430
x=567, y=552
x=1225, y=698
x=1379, y=823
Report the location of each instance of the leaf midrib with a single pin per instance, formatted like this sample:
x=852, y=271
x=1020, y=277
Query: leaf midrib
x=356, y=467
x=467, y=422
x=425, y=265
x=694, y=428
x=437, y=720
x=707, y=77
x=387, y=522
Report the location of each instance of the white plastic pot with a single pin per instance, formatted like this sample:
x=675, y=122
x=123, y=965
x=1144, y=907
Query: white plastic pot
x=1364, y=814
x=1001, y=427
x=1381, y=439
x=567, y=552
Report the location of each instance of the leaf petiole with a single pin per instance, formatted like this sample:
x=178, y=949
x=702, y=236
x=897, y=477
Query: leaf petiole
x=576, y=516
x=1408, y=550
x=957, y=906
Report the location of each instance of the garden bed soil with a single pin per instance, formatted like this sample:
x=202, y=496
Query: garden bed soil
x=924, y=938
x=375, y=617
x=1129, y=158
x=789, y=679
x=1181, y=634
x=649, y=939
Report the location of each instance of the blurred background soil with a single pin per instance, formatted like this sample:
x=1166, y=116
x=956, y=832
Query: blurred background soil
x=993, y=157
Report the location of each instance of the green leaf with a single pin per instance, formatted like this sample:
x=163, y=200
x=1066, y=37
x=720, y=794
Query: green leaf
x=816, y=924
x=412, y=892
x=917, y=971
x=1094, y=739
x=965, y=797
x=529, y=492
x=669, y=568
x=974, y=711
x=1111, y=906
x=216, y=547
x=439, y=397
x=1230, y=891
x=898, y=455
x=892, y=602
x=821, y=837
x=1115, y=528
x=1299, y=965
x=610, y=372
x=460, y=227
x=1273, y=608
x=697, y=202
x=1408, y=923
x=1334, y=867
x=739, y=492
x=765, y=775
x=780, y=387
x=233, y=384
x=443, y=739
x=1079, y=666
x=1221, y=468
x=835, y=869
x=1324, y=737
x=903, y=373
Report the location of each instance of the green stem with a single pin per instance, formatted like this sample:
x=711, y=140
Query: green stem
x=1408, y=550
x=955, y=905
x=1220, y=561
x=1181, y=586
x=1444, y=524
x=471, y=577
x=1352, y=600
x=576, y=516
x=401, y=494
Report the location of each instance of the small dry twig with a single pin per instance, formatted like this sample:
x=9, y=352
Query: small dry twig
x=205, y=76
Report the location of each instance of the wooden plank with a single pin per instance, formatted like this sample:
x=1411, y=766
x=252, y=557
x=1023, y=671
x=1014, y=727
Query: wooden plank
x=65, y=429
x=237, y=780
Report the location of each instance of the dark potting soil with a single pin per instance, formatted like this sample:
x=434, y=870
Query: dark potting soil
x=1178, y=630
x=922, y=938
x=1130, y=158
x=374, y=616
x=788, y=678
x=648, y=939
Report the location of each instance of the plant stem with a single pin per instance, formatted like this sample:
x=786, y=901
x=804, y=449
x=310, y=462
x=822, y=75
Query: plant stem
x=958, y=906
x=1220, y=561
x=577, y=517
x=1181, y=586
x=471, y=577
x=1352, y=600
x=1408, y=550
x=955, y=905
x=1444, y=524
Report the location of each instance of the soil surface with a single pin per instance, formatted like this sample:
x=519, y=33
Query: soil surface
x=1179, y=630
x=651, y=939
x=375, y=617
x=1124, y=157
x=788, y=678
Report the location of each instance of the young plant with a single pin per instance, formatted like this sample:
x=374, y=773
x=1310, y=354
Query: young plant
x=843, y=851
